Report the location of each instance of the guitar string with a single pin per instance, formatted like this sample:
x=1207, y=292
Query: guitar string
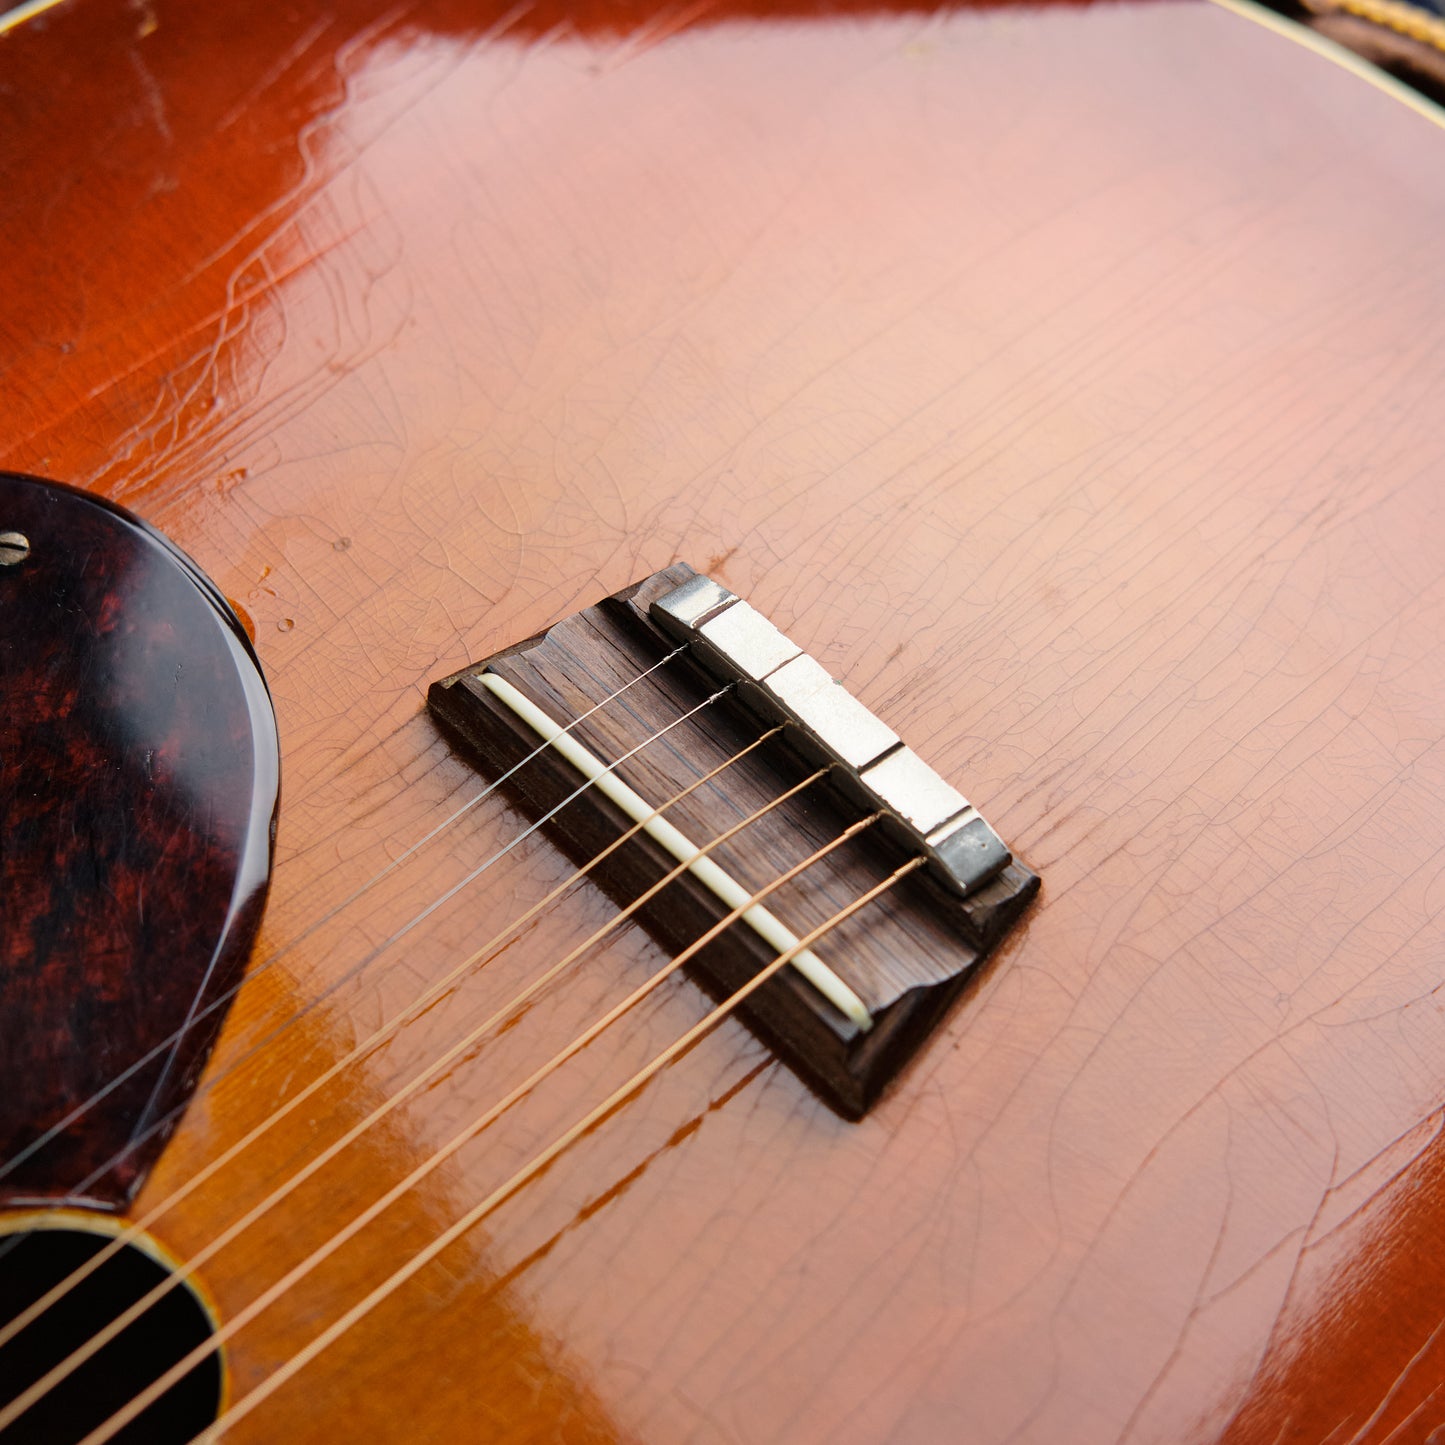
x=535, y=1166
x=141, y=1401
x=256, y=970
x=291, y=1020
x=220, y=1074
x=232, y=1231
x=97, y=1341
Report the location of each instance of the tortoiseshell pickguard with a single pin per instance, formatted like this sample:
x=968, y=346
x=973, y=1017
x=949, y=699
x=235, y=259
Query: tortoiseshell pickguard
x=138, y=794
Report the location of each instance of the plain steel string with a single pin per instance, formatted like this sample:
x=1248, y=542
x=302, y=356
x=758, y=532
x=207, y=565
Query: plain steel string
x=288, y=1281
x=217, y=1076
x=134, y=1312
x=83, y=1271
x=470, y=1131
x=256, y=970
x=406, y=928
x=15, y=1407
x=509, y=1187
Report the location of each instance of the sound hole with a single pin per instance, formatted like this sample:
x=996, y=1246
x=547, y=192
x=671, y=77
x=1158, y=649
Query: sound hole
x=32, y=1261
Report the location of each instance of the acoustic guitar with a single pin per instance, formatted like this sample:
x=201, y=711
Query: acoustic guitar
x=1064, y=381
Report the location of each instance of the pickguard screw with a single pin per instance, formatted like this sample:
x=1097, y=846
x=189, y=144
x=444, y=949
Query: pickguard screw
x=14, y=548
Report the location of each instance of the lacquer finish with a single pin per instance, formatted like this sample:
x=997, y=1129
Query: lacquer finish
x=1066, y=381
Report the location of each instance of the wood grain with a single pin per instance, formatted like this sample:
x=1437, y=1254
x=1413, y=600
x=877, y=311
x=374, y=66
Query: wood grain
x=1067, y=381
x=907, y=958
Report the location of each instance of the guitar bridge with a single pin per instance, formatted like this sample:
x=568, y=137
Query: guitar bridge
x=597, y=725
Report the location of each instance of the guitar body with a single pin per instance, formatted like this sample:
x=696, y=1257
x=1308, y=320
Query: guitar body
x=1067, y=381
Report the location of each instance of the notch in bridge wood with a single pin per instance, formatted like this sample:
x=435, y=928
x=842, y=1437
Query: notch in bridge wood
x=906, y=956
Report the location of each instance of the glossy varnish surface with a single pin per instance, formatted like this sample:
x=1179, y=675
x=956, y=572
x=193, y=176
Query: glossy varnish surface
x=1065, y=380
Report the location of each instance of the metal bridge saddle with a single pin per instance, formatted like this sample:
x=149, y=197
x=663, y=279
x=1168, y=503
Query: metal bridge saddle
x=853, y=1010
x=779, y=682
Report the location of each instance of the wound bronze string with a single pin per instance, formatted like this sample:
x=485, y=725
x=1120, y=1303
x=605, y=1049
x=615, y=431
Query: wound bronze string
x=100, y=1338
x=243, y=1407
x=539, y=1162
x=172, y=1041
x=259, y=1049
x=387, y=1030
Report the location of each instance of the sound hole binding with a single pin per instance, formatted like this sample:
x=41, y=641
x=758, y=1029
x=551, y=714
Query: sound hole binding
x=41, y=1248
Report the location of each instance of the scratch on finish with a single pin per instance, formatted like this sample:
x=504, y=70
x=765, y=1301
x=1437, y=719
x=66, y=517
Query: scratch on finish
x=1363, y=1432
x=155, y=101
x=21, y=13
